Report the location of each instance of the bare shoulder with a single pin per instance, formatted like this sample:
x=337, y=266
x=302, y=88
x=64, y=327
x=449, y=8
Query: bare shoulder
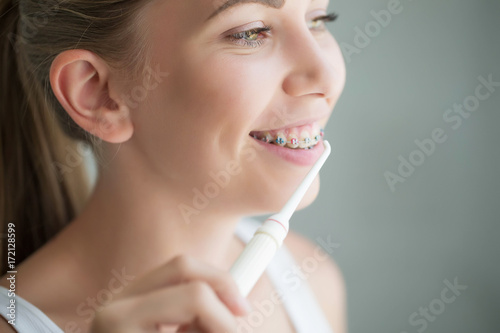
x=5, y=327
x=322, y=274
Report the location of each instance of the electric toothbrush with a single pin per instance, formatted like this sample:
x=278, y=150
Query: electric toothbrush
x=260, y=250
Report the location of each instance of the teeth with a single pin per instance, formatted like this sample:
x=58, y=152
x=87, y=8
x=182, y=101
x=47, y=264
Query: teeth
x=280, y=139
x=305, y=140
x=290, y=138
x=292, y=141
x=267, y=137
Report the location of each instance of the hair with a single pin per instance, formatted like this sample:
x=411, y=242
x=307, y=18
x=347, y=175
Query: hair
x=43, y=180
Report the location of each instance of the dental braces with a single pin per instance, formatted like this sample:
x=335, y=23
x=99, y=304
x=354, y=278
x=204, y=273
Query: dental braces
x=281, y=141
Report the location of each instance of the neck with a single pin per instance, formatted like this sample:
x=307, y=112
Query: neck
x=134, y=223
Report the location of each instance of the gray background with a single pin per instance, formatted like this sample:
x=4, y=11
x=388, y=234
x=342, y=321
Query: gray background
x=443, y=222
x=397, y=248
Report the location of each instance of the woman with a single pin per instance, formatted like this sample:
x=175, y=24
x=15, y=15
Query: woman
x=200, y=112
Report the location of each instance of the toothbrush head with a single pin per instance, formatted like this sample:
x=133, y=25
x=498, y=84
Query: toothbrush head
x=301, y=190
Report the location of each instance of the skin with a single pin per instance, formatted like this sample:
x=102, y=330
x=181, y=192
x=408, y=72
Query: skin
x=196, y=120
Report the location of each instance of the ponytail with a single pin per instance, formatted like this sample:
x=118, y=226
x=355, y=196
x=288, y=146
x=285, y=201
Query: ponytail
x=43, y=183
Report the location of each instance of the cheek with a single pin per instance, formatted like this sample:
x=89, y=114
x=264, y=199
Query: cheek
x=337, y=59
x=200, y=117
x=221, y=97
x=228, y=81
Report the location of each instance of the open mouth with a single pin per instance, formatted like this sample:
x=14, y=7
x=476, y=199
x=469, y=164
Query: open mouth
x=301, y=137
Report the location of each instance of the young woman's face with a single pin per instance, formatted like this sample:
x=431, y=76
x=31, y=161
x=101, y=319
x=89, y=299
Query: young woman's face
x=223, y=78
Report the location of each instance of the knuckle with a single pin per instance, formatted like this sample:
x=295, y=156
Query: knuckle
x=183, y=264
x=200, y=293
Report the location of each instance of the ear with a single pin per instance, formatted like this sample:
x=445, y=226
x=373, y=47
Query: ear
x=81, y=81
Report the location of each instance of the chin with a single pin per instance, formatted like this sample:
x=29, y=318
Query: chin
x=308, y=199
x=270, y=204
x=311, y=195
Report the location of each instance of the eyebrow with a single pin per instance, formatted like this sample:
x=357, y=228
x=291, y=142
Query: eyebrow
x=230, y=3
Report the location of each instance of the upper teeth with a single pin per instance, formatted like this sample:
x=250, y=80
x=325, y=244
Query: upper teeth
x=305, y=140
x=290, y=139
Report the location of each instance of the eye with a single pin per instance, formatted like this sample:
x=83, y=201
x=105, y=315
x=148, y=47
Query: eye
x=256, y=37
x=318, y=23
x=252, y=38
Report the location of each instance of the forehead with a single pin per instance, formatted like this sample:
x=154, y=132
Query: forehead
x=191, y=15
x=200, y=11
x=221, y=5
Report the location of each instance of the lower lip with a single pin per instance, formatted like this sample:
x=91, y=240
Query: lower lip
x=303, y=157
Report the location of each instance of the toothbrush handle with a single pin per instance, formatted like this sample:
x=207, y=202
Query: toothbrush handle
x=257, y=254
x=252, y=262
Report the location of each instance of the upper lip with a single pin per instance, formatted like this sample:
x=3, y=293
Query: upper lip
x=302, y=122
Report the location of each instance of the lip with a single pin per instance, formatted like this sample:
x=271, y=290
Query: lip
x=299, y=123
x=301, y=157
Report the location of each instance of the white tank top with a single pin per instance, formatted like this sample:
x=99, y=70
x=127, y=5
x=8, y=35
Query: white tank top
x=302, y=308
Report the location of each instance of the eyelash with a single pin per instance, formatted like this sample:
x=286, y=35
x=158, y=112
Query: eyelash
x=238, y=38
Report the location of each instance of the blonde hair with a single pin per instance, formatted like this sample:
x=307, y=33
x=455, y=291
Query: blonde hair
x=44, y=184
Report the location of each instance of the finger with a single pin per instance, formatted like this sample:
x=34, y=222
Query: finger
x=193, y=302
x=184, y=269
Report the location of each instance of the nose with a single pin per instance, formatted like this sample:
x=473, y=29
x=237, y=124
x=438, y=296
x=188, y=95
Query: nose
x=311, y=65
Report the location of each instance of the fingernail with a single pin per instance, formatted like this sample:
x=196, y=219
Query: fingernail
x=244, y=304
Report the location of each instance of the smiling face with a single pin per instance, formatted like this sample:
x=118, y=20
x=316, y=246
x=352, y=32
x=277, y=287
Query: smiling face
x=249, y=68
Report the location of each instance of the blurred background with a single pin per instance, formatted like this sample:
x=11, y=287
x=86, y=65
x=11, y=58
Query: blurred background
x=410, y=193
x=401, y=239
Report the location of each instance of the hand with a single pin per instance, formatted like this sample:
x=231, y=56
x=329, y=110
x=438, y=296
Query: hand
x=184, y=294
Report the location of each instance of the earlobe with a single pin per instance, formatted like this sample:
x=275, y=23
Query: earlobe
x=81, y=82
